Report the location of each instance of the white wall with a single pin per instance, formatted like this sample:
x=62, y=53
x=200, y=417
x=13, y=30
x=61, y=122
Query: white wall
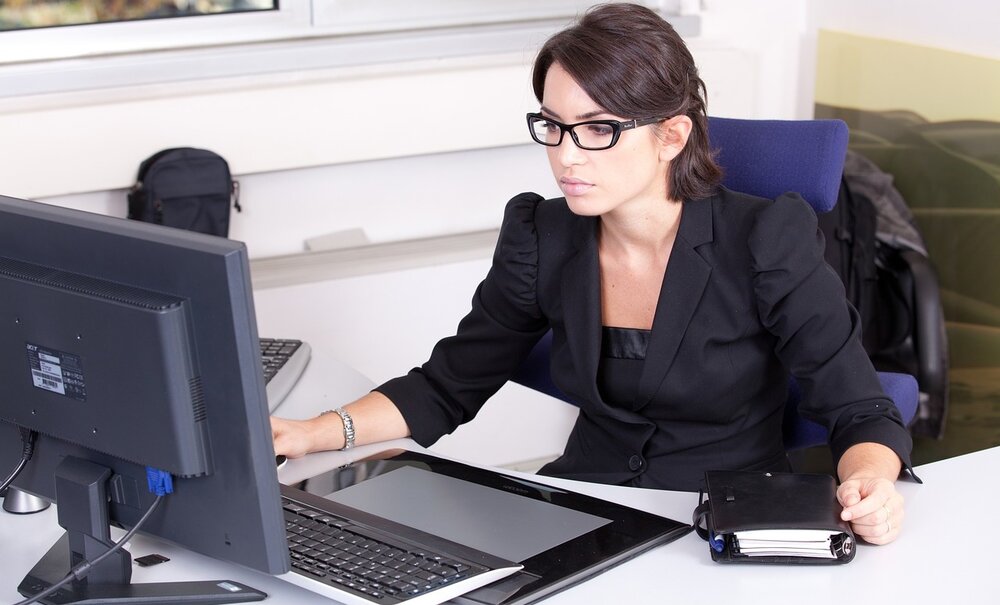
x=969, y=26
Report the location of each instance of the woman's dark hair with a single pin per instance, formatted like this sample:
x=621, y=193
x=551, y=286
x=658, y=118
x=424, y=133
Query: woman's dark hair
x=633, y=64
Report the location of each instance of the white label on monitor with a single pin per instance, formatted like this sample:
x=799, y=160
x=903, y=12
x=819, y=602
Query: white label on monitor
x=57, y=372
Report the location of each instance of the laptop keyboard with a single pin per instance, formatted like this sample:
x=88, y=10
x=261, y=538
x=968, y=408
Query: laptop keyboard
x=353, y=558
x=284, y=360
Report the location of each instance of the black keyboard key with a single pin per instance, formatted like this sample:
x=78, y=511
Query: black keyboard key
x=354, y=558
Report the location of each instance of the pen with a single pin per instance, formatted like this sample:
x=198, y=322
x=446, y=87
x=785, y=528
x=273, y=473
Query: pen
x=718, y=544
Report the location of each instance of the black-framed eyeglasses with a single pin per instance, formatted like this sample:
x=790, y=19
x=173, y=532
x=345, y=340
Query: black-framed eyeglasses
x=592, y=135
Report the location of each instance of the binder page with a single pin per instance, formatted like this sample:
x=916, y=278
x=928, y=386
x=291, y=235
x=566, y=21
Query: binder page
x=786, y=542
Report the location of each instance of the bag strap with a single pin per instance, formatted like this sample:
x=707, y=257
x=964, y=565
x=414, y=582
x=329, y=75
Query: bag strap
x=235, y=193
x=700, y=517
x=702, y=521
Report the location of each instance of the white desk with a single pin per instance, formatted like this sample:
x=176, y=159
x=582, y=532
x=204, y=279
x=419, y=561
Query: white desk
x=938, y=558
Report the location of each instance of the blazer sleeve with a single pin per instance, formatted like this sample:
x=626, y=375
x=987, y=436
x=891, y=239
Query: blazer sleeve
x=801, y=301
x=503, y=325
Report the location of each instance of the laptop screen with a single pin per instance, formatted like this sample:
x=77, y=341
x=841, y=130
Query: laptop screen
x=501, y=523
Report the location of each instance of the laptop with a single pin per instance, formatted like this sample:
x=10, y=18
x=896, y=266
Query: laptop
x=498, y=539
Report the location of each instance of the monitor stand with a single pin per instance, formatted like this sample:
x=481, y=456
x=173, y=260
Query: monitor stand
x=82, y=507
x=18, y=502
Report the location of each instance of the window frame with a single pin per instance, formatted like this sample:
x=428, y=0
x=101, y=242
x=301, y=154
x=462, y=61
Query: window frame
x=293, y=19
x=355, y=16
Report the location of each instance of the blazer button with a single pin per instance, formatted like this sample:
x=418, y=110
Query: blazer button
x=634, y=463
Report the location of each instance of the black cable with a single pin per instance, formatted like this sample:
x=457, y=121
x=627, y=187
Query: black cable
x=17, y=471
x=81, y=570
x=27, y=450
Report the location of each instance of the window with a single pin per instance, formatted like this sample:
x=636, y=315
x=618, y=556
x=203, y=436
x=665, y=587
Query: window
x=30, y=14
x=290, y=19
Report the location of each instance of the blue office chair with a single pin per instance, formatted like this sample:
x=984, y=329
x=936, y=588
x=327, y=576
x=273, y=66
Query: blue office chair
x=767, y=158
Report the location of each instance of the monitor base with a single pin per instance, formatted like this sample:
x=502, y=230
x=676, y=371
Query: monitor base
x=19, y=502
x=55, y=564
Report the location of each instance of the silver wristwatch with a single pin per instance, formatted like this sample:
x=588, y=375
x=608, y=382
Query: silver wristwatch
x=348, y=428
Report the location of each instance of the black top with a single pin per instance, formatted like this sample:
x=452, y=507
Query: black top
x=623, y=351
x=746, y=300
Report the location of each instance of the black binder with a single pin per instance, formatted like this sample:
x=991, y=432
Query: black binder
x=757, y=517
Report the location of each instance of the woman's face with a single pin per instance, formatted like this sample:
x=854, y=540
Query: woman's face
x=630, y=174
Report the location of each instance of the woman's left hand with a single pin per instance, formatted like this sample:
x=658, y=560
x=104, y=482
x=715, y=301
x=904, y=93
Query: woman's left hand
x=873, y=507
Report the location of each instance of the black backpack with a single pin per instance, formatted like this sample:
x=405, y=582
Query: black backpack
x=868, y=269
x=186, y=188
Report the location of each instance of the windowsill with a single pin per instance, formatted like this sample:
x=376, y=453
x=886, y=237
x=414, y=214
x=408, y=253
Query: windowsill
x=309, y=267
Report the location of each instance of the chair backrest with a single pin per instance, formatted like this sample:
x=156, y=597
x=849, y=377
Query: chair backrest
x=770, y=157
x=767, y=158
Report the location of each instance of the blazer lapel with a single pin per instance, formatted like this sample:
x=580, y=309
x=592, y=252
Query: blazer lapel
x=580, y=284
x=683, y=284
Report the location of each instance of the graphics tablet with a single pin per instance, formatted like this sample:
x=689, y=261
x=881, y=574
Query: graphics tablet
x=560, y=537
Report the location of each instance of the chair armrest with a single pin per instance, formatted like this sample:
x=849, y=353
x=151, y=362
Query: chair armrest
x=930, y=337
x=929, y=320
x=800, y=433
x=903, y=390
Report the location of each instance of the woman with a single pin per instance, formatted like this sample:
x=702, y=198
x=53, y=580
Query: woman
x=677, y=307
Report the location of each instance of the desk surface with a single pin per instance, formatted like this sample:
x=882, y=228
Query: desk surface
x=937, y=557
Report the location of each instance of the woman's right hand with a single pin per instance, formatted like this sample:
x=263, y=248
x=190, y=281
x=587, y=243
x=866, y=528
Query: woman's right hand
x=294, y=438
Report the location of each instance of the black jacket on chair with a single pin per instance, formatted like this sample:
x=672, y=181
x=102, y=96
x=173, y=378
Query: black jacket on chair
x=747, y=298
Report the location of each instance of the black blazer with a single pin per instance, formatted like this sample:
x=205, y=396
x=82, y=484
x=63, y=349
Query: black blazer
x=747, y=298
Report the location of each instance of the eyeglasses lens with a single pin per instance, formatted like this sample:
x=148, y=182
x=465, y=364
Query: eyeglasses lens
x=594, y=136
x=545, y=132
x=588, y=136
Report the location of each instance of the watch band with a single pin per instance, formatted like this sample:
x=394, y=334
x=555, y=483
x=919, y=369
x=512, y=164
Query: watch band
x=348, y=428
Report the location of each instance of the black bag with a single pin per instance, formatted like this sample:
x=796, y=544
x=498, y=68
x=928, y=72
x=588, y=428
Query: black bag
x=186, y=188
x=869, y=269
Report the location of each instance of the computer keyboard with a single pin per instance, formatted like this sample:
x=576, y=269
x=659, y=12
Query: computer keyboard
x=361, y=565
x=284, y=361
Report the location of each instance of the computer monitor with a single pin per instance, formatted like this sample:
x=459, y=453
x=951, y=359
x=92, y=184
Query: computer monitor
x=128, y=345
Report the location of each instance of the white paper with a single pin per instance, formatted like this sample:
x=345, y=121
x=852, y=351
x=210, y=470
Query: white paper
x=786, y=542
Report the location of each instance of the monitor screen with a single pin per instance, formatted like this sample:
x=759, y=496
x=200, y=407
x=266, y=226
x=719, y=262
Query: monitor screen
x=127, y=345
